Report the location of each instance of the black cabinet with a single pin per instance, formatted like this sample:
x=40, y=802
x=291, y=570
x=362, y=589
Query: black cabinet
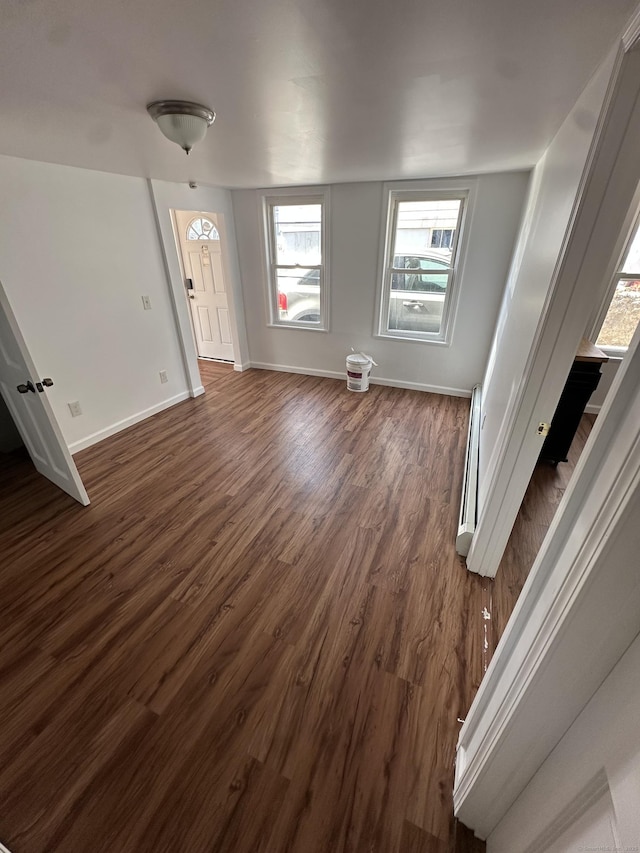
x=581, y=383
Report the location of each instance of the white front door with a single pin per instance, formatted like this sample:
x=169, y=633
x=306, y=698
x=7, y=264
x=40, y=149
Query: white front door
x=26, y=398
x=202, y=262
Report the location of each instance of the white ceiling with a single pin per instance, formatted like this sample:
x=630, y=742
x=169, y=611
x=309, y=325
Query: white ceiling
x=306, y=91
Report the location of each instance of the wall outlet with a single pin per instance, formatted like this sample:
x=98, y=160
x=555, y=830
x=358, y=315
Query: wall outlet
x=75, y=409
x=146, y=301
x=164, y=377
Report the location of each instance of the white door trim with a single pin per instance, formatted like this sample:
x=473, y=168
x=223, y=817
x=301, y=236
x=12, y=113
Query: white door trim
x=34, y=418
x=210, y=299
x=165, y=198
x=606, y=203
x=182, y=315
x=577, y=614
x=596, y=762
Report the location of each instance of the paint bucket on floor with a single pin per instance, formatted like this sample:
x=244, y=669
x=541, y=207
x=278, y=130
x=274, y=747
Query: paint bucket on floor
x=358, y=369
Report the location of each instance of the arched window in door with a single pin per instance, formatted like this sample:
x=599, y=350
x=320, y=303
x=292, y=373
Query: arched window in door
x=202, y=228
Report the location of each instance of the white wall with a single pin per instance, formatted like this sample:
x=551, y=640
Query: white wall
x=552, y=195
x=597, y=761
x=356, y=217
x=78, y=249
x=170, y=196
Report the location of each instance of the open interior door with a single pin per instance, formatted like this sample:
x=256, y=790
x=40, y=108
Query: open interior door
x=25, y=395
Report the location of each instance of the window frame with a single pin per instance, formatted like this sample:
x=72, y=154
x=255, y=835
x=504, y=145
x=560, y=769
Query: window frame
x=199, y=217
x=614, y=275
x=419, y=191
x=296, y=196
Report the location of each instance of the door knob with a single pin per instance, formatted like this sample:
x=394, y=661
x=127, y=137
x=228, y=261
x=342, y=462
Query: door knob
x=25, y=388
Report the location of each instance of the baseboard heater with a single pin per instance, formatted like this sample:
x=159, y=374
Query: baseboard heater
x=469, y=502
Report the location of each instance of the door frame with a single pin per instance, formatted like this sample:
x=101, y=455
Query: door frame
x=176, y=228
x=575, y=617
x=605, y=207
x=577, y=613
x=164, y=199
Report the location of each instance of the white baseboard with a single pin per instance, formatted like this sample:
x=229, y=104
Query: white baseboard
x=95, y=437
x=592, y=409
x=305, y=371
x=241, y=367
x=197, y=391
x=419, y=386
x=374, y=380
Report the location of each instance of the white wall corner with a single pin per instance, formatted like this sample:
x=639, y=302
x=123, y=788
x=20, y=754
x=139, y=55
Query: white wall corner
x=112, y=429
x=168, y=248
x=196, y=392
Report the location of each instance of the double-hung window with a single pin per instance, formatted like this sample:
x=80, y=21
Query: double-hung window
x=620, y=314
x=420, y=262
x=297, y=260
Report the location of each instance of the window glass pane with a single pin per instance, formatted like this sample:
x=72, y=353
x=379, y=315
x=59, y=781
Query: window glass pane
x=297, y=230
x=415, y=311
x=298, y=295
x=622, y=317
x=426, y=227
x=202, y=229
x=632, y=261
x=432, y=281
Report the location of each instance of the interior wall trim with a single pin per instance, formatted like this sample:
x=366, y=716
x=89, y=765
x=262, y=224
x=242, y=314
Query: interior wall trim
x=547, y=665
x=95, y=437
x=373, y=380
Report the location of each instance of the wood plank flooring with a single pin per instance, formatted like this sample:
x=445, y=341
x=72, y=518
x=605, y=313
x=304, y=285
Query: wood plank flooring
x=258, y=637
x=540, y=503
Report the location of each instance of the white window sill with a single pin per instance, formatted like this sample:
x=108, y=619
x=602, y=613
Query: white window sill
x=389, y=337
x=297, y=327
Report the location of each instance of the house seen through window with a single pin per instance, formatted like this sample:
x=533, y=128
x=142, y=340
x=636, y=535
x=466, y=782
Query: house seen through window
x=297, y=261
x=623, y=313
x=202, y=229
x=420, y=263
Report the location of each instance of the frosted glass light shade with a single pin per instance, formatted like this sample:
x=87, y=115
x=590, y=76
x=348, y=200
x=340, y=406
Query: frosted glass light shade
x=184, y=130
x=183, y=122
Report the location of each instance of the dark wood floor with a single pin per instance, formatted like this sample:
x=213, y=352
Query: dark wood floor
x=540, y=503
x=258, y=637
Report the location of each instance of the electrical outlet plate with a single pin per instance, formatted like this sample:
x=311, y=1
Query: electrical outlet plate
x=146, y=302
x=75, y=409
x=164, y=377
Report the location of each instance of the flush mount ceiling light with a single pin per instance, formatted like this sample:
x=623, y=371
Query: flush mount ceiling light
x=183, y=122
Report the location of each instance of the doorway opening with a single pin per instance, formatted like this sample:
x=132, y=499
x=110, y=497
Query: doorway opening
x=200, y=253
x=13, y=453
x=600, y=356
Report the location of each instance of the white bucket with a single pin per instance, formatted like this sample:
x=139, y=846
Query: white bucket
x=358, y=369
